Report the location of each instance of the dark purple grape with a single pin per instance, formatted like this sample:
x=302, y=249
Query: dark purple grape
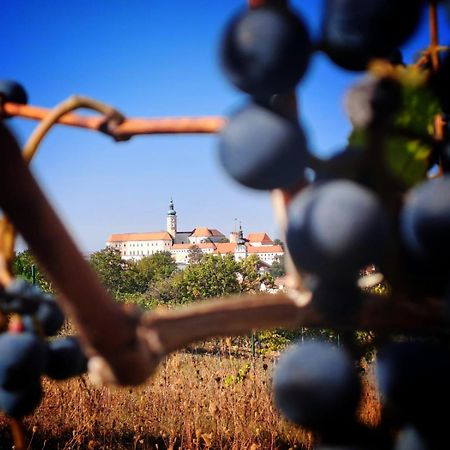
x=355, y=31
x=355, y=437
x=336, y=299
x=445, y=157
x=425, y=221
x=65, y=359
x=265, y=51
x=22, y=359
x=316, y=386
x=21, y=297
x=413, y=380
x=444, y=150
x=11, y=91
x=342, y=447
x=410, y=438
x=50, y=316
x=31, y=324
x=395, y=58
x=423, y=277
x=336, y=228
x=345, y=447
x=20, y=403
x=346, y=164
x=263, y=150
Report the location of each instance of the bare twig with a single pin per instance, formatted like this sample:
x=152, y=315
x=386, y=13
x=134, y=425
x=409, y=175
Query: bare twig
x=111, y=119
x=434, y=35
x=129, y=127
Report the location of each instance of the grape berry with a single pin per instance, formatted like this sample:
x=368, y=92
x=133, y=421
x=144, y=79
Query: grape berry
x=316, y=386
x=261, y=149
x=265, y=51
x=354, y=31
x=11, y=91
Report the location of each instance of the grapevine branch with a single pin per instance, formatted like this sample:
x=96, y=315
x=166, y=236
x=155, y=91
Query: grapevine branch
x=238, y=315
x=434, y=35
x=128, y=128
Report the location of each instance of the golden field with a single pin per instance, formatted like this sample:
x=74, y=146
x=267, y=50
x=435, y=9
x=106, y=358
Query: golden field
x=207, y=401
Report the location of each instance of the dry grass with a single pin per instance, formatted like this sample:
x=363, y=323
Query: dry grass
x=193, y=402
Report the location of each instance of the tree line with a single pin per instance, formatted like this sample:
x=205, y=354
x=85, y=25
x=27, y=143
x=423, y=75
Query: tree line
x=157, y=279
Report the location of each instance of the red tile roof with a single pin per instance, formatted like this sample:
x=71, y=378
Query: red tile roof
x=265, y=249
x=206, y=245
x=225, y=247
x=152, y=236
x=259, y=237
x=181, y=246
x=215, y=232
x=201, y=232
x=190, y=246
x=206, y=232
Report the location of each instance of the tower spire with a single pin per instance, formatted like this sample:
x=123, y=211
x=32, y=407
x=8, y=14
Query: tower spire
x=171, y=211
x=241, y=249
x=241, y=239
x=171, y=219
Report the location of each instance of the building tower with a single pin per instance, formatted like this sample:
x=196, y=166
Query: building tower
x=171, y=220
x=241, y=248
x=234, y=235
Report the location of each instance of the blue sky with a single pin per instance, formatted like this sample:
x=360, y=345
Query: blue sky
x=151, y=58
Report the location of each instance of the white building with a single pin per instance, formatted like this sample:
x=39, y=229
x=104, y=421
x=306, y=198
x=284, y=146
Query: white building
x=180, y=243
x=138, y=245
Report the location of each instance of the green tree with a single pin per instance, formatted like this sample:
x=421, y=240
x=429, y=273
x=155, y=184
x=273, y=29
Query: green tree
x=277, y=269
x=154, y=268
x=117, y=275
x=165, y=290
x=278, y=242
x=195, y=255
x=21, y=266
x=212, y=277
x=251, y=276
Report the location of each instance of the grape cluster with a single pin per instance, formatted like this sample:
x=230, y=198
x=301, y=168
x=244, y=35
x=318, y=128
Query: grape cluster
x=264, y=52
x=27, y=354
x=375, y=205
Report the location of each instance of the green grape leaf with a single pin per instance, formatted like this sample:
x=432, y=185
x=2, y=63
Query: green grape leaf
x=419, y=108
x=407, y=158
